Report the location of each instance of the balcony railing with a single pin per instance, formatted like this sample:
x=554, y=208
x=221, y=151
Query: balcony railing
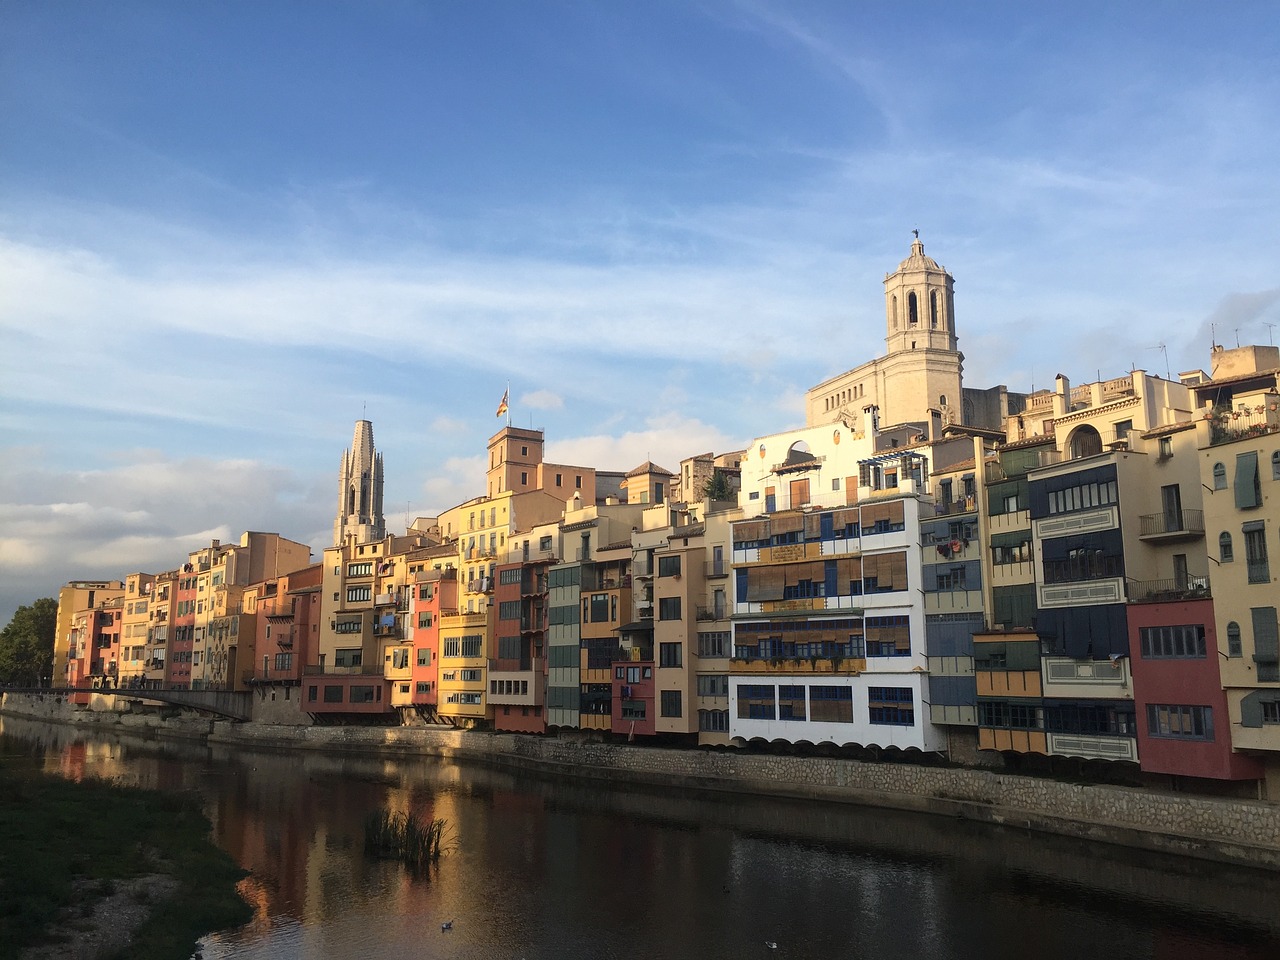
x=712, y=613
x=718, y=568
x=1259, y=571
x=1168, y=591
x=1184, y=522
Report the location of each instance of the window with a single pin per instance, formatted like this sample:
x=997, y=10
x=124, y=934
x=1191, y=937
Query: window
x=364, y=569
x=1270, y=711
x=422, y=687
x=1234, y=648
x=1219, y=476
x=1275, y=465
x=524, y=478
x=469, y=676
x=791, y=703
x=892, y=706
x=1181, y=642
x=633, y=710
x=1225, y=551
x=1012, y=716
x=559, y=480
x=713, y=644
x=713, y=721
x=363, y=694
x=599, y=608
x=713, y=685
x=1166, y=448
x=357, y=594
x=672, y=704
x=756, y=702
x=669, y=608
x=544, y=543
x=353, y=657
x=400, y=658
x=509, y=610
x=669, y=566
x=424, y=621
x=831, y=704
x=332, y=694
x=424, y=658
x=670, y=654
x=1123, y=428
x=1083, y=496
x=1255, y=552
x=1266, y=643
x=1180, y=722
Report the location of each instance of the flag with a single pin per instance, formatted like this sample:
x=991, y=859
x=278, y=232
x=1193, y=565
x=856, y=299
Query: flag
x=502, y=406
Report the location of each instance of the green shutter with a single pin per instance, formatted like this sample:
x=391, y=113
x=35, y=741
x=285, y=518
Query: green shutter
x=1247, y=488
x=1266, y=635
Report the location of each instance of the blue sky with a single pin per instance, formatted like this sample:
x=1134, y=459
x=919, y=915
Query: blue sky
x=231, y=230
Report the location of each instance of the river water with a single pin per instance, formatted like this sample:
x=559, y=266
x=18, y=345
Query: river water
x=550, y=870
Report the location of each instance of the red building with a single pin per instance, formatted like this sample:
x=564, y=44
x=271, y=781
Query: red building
x=287, y=626
x=517, y=669
x=433, y=594
x=182, y=617
x=1183, y=724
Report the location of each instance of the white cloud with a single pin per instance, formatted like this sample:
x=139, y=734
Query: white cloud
x=666, y=439
x=143, y=515
x=542, y=400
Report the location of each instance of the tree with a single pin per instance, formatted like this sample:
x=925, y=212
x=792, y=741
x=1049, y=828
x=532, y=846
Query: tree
x=719, y=488
x=26, y=644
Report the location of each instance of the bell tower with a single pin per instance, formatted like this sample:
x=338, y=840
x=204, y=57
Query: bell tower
x=919, y=304
x=360, y=490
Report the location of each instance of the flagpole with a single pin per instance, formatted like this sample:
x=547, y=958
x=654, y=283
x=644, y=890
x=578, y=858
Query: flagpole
x=508, y=396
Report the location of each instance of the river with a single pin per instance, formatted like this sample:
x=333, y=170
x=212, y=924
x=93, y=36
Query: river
x=552, y=870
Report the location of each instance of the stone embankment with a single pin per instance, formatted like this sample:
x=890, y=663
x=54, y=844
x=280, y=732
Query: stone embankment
x=1225, y=830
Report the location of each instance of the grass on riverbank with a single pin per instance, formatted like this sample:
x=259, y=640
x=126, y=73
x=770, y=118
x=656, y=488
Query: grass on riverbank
x=64, y=845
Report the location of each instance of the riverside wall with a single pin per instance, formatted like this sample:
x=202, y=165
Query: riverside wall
x=1224, y=830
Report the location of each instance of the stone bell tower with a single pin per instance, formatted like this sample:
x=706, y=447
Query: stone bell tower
x=922, y=367
x=360, y=490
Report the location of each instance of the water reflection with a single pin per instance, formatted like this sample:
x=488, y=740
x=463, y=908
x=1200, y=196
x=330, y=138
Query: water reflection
x=570, y=870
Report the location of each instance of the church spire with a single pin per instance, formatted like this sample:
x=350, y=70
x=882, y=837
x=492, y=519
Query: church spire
x=360, y=490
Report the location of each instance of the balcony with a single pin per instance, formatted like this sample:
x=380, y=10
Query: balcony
x=712, y=613
x=1172, y=525
x=967, y=504
x=1168, y=591
x=717, y=568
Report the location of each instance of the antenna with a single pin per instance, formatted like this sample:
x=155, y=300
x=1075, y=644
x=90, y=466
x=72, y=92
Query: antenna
x=1271, y=333
x=1165, y=350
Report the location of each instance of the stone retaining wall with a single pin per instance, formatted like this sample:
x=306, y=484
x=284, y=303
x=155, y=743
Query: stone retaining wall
x=1232, y=830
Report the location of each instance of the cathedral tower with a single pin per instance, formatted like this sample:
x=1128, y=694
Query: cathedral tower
x=360, y=490
x=919, y=379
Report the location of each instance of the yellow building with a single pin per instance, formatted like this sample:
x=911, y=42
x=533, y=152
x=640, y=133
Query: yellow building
x=1238, y=434
x=74, y=599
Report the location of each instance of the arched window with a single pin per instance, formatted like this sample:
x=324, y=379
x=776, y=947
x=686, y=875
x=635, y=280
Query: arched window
x=933, y=308
x=1225, y=553
x=1233, y=640
x=1219, y=477
x=913, y=309
x=942, y=400
x=893, y=311
x=1085, y=442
